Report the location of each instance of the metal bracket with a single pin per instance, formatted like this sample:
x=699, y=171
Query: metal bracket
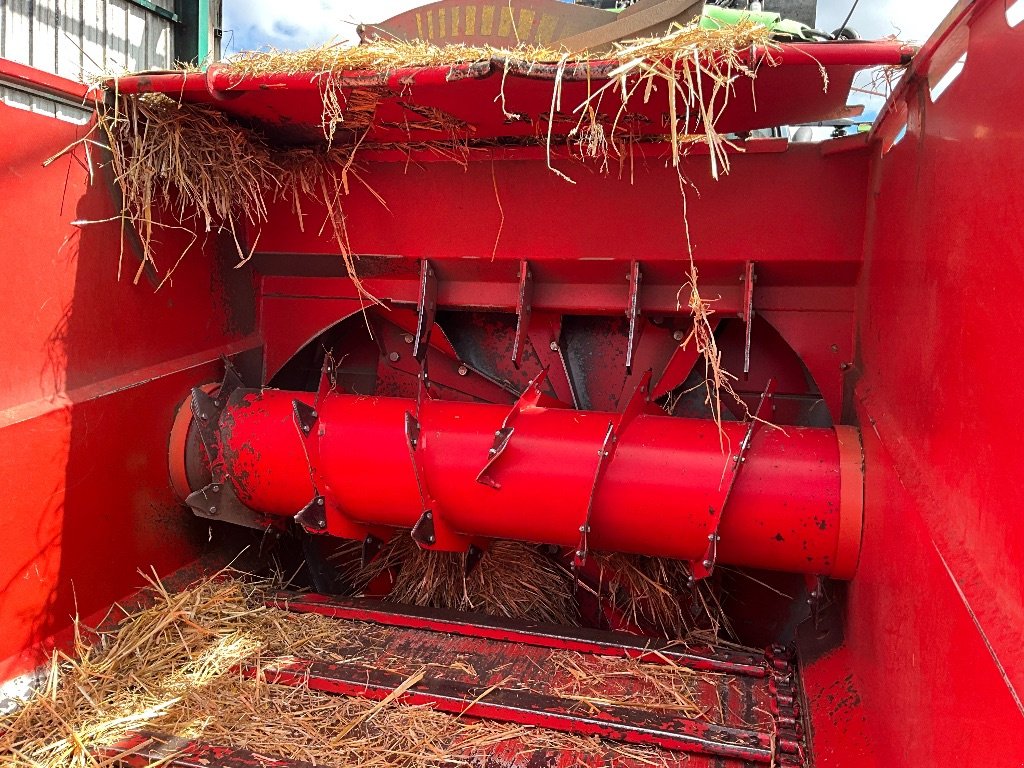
x=430, y=530
x=704, y=568
x=313, y=516
x=604, y=455
x=369, y=548
x=633, y=312
x=328, y=379
x=815, y=596
x=473, y=557
x=206, y=413
x=529, y=399
x=634, y=406
x=305, y=417
x=219, y=501
x=423, y=532
x=426, y=310
x=749, y=278
x=232, y=381
x=524, y=310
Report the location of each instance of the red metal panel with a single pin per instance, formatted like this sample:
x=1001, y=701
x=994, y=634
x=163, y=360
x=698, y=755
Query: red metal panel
x=638, y=215
x=516, y=705
x=938, y=609
x=477, y=97
x=750, y=717
x=482, y=626
x=92, y=372
x=840, y=734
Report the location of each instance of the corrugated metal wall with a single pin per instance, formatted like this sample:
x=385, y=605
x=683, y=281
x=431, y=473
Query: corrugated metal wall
x=78, y=38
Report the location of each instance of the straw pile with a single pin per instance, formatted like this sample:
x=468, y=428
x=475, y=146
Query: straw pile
x=513, y=580
x=518, y=581
x=189, y=167
x=186, y=167
x=168, y=669
x=657, y=595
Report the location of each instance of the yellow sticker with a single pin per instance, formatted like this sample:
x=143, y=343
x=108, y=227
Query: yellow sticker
x=546, y=29
x=505, y=25
x=525, y=24
x=487, y=20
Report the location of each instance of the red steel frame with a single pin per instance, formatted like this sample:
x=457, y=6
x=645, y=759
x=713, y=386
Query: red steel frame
x=931, y=668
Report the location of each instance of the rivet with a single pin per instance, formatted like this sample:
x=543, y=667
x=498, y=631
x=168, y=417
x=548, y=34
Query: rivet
x=429, y=515
x=430, y=539
x=393, y=357
x=320, y=501
x=463, y=370
x=677, y=335
x=554, y=346
x=407, y=338
x=305, y=428
x=213, y=510
x=708, y=564
x=216, y=489
x=313, y=414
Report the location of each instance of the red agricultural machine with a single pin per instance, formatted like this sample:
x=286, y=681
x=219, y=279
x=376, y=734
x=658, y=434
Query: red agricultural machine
x=769, y=363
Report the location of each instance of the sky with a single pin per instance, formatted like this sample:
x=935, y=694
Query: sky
x=256, y=24
x=253, y=24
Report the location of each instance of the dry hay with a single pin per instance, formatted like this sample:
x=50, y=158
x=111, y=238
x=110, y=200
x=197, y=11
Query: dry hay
x=190, y=168
x=169, y=668
x=209, y=173
x=657, y=594
x=512, y=579
x=517, y=581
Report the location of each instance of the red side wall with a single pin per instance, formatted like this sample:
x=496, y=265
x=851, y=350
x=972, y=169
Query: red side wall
x=936, y=616
x=92, y=372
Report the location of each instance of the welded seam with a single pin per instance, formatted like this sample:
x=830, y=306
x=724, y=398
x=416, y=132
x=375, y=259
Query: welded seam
x=984, y=637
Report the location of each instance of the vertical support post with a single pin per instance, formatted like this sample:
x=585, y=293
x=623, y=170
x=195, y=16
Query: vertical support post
x=749, y=278
x=426, y=310
x=524, y=309
x=633, y=312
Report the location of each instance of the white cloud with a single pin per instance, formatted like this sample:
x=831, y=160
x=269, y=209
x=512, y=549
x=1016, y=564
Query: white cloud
x=300, y=23
x=911, y=20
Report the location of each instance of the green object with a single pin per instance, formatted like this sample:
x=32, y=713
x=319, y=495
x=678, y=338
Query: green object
x=715, y=17
x=203, y=48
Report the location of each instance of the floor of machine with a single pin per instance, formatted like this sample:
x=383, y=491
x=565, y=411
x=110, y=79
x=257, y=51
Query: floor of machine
x=641, y=701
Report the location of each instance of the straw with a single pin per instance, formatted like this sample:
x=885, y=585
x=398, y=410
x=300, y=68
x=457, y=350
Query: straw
x=171, y=668
x=512, y=579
